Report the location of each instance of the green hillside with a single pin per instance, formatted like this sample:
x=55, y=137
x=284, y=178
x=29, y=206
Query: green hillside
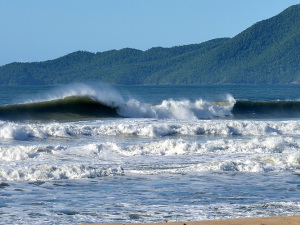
x=267, y=52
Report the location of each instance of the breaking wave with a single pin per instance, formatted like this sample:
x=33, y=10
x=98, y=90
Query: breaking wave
x=46, y=172
x=147, y=128
x=77, y=102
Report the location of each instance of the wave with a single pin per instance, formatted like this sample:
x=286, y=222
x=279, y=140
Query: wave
x=46, y=172
x=69, y=108
x=85, y=107
x=201, y=109
x=77, y=102
x=182, y=110
x=148, y=128
x=266, y=109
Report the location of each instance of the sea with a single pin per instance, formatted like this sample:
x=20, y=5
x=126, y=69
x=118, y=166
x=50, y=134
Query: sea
x=95, y=153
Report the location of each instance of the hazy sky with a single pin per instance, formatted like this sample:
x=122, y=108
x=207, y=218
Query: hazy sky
x=38, y=30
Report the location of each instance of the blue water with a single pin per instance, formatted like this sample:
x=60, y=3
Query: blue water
x=173, y=154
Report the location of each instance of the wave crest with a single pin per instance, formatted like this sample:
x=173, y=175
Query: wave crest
x=183, y=110
x=76, y=102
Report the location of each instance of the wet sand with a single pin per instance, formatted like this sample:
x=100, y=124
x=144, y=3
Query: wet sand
x=291, y=220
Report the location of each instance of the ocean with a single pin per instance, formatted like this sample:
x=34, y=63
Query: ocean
x=87, y=153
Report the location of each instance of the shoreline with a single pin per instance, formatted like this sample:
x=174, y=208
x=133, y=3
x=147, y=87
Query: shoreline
x=281, y=220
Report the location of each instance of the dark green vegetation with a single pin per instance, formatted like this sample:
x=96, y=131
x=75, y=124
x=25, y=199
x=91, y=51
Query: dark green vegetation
x=267, y=52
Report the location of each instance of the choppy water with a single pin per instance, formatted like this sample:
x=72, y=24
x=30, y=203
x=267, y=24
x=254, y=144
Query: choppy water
x=93, y=153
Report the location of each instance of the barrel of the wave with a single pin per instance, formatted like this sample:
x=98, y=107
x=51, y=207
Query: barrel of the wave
x=70, y=108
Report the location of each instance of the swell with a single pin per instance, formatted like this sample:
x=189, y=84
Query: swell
x=266, y=109
x=69, y=108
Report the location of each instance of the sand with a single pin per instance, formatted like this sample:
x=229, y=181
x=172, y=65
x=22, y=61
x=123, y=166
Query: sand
x=291, y=220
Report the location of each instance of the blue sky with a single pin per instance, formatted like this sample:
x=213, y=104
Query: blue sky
x=38, y=30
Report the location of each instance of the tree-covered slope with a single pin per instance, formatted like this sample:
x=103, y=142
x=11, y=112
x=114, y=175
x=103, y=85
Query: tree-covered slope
x=267, y=52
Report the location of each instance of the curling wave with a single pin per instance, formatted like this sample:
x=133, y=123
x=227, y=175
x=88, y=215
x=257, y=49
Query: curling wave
x=86, y=102
x=69, y=108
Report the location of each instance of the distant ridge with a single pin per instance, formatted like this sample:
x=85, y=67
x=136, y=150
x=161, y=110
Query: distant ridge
x=266, y=53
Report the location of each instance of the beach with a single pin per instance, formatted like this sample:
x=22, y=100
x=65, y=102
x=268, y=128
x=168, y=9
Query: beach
x=290, y=220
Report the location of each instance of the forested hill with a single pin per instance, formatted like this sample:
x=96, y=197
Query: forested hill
x=267, y=52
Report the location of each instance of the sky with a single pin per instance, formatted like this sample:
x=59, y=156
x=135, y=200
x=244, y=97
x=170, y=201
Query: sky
x=39, y=30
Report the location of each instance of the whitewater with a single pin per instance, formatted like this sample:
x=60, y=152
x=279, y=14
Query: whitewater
x=87, y=153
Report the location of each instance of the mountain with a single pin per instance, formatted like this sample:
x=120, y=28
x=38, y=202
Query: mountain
x=266, y=53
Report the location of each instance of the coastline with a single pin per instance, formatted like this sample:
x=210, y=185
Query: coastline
x=284, y=220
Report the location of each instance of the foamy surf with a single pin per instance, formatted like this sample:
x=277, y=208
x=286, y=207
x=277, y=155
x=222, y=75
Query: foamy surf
x=170, y=156
x=148, y=128
x=46, y=172
x=183, y=110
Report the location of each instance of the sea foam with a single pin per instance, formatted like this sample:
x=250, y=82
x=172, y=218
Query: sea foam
x=45, y=172
x=171, y=109
x=148, y=128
